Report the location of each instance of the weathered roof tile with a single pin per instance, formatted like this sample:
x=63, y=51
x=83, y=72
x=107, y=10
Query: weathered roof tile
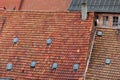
x=70, y=40
x=105, y=47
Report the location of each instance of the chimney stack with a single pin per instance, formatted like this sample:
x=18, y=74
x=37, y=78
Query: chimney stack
x=84, y=10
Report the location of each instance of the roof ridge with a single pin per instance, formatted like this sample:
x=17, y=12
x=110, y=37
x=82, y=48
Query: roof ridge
x=37, y=11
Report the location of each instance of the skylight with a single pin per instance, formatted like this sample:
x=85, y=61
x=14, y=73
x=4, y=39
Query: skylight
x=99, y=33
x=48, y=41
x=75, y=67
x=55, y=66
x=15, y=40
x=107, y=61
x=9, y=67
x=32, y=65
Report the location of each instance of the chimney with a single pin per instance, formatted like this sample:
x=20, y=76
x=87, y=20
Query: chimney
x=84, y=10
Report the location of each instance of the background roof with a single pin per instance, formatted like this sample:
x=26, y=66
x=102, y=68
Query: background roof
x=97, y=5
x=41, y=5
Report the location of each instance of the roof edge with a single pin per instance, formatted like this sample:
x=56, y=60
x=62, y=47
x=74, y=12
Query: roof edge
x=44, y=11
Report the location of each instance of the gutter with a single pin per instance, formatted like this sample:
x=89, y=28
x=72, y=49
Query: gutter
x=89, y=57
x=21, y=4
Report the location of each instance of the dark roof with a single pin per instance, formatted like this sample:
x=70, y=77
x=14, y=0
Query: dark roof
x=5, y=79
x=70, y=45
x=97, y=5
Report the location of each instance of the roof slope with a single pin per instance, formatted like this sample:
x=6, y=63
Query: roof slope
x=97, y=5
x=105, y=47
x=46, y=5
x=70, y=40
x=10, y=4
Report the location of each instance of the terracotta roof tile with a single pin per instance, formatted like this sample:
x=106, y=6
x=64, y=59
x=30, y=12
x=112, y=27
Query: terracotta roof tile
x=45, y=5
x=10, y=4
x=70, y=40
x=105, y=47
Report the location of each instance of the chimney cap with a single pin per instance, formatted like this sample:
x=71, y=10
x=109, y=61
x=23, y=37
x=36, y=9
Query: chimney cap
x=84, y=1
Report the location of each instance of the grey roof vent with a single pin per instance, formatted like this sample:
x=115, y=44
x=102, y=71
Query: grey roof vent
x=107, y=61
x=15, y=40
x=48, y=41
x=55, y=66
x=100, y=33
x=9, y=67
x=75, y=67
x=32, y=65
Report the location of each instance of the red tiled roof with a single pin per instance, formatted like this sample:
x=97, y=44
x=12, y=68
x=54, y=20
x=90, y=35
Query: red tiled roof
x=70, y=44
x=10, y=4
x=42, y=5
x=105, y=47
x=46, y=5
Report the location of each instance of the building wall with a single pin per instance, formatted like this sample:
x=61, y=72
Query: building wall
x=10, y=4
x=110, y=20
x=46, y=5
